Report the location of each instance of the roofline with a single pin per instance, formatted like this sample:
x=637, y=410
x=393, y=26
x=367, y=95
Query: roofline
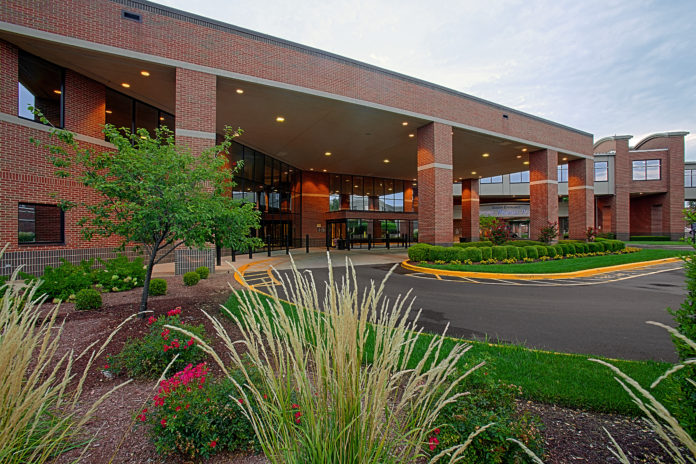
x=226, y=27
x=611, y=137
x=661, y=135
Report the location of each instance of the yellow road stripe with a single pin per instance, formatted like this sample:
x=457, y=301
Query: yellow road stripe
x=559, y=275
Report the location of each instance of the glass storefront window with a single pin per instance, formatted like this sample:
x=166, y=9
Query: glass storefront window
x=601, y=171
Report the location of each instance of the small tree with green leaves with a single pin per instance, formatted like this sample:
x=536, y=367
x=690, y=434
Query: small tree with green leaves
x=154, y=192
x=549, y=232
x=486, y=224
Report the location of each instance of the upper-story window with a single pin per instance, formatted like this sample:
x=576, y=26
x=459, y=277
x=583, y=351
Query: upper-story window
x=601, y=171
x=492, y=180
x=690, y=178
x=519, y=177
x=562, y=172
x=124, y=111
x=365, y=193
x=646, y=170
x=41, y=85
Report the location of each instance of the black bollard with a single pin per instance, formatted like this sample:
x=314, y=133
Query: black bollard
x=233, y=254
x=387, y=241
x=268, y=244
x=369, y=242
x=287, y=245
x=251, y=252
x=307, y=242
x=218, y=255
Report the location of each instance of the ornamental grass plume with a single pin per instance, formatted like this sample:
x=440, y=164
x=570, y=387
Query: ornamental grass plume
x=344, y=377
x=39, y=392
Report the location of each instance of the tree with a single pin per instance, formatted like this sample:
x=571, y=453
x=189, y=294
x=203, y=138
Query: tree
x=486, y=223
x=154, y=192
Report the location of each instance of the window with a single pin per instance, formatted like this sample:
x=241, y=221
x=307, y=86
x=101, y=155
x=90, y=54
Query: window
x=492, y=180
x=562, y=173
x=40, y=86
x=123, y=111
x=646, y=170
x=39, y=224
x=690, y=178
x=601, y=171
x=519, y=177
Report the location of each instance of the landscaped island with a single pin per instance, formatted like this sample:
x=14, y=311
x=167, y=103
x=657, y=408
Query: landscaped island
x=528, y=256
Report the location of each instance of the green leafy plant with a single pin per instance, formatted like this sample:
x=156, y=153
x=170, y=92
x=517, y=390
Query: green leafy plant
x=203, y=272
x=499, y=232
x=191, y=278
x=87, y=299
x=158, y=287
x=150, y=355
x=119, y=274
x=590, y=234
x=486, y=225
x=154, y=192
x=197, y=417
x=549, y=232
x=65, y=280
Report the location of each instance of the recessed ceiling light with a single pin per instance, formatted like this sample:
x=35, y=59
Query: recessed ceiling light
x=311, y=169
x=480, y=177
x=473, y=173
x=518, y=156
x=355, y=186
x=280, y=119
x=324, y=170
x=405, y=123
x=161, y=118
x=108, y=111
x=526, y=162
x=414, y=180
x=390, y=189
x=486, y=155
x=125, y=85
x=386, y=161
x=524, y=149
x=328, y=153
x=57, y=92
x=565, y=158
x=240, y=91
x=411, y=135
x=145, y=73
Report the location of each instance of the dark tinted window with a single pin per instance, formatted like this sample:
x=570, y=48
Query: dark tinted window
x=39, y=224
x=40, y=86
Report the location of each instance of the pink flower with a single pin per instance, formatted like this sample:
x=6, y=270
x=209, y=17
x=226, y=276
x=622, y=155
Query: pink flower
x=241, y=400
x=433, y=442
x=295, y=406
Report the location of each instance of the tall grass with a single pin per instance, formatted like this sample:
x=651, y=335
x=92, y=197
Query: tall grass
x=323, y=397
x=39, y=390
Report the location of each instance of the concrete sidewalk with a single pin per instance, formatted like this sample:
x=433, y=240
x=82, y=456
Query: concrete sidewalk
x=316, y=258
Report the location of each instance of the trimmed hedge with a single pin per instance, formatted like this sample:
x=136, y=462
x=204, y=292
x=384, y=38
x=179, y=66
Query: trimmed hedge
x=512, y=252
x=531, y=252
x=551, y=251
x=651, y=238
x=523, y=243
x=499, y=253
x=541, y=250
x=419, y=252
x=486, y=253
x=522, y=252
x=559, y=250
x=481, y=244
x=203, y=271
x=473, y=253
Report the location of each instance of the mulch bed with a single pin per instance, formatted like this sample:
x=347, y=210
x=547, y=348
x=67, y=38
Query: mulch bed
x=571, y=436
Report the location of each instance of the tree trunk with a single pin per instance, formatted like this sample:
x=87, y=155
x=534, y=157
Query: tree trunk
x=146, y=285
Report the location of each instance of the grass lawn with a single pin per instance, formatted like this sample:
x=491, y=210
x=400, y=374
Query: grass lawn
x=563, y=265
x=555, y=378
x=660, y=242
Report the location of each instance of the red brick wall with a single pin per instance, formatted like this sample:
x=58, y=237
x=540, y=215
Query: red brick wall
x=470, y=209
x=642, y=221
x=580, y=197
x=543, y=190
x=9, y=68
x=195, y=107
x=84, y=105
x=435, y=212
x=177, y=38
x=315, y=202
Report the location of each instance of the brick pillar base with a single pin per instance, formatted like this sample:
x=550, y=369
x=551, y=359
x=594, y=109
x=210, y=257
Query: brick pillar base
x=543, y=190
x=435, y=210
x=470, y=210
x=580, y=198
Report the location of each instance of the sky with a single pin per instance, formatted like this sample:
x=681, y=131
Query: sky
x=605, y=67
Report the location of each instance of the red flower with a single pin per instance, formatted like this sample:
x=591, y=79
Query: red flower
x=106, y=366
x=265, y=397
x=165, y=334
x=151, y=320
x=436, y=431
x=163, y=422
x=174, y=311
x=178, y=408
x=241, y=400
x=175, y=344
x=433, y=442
x=187, y=406
x=142, y=417
x=190, y=342
x=166, y=347
x=298, y=414
x=295, y=406
x=213, y=444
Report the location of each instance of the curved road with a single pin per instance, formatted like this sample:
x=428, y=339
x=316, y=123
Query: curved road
x=602, y=316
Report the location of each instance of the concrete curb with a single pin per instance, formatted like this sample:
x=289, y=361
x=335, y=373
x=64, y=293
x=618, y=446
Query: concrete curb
x=560, y=275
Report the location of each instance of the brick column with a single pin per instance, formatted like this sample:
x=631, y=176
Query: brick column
x=470, y=209
x=195, y=109
x=580, y=197
x=9, y=69
x=543, y=190
x=620, y=202
x=85, y=105
x=435, y=211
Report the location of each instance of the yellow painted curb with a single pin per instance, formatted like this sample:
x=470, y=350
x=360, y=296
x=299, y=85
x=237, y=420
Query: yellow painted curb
x=239, y=275
x=559, y=275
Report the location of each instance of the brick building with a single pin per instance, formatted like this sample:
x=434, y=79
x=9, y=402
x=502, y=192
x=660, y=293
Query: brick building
x=332, y=147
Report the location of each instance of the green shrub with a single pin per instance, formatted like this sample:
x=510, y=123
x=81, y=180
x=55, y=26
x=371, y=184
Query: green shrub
x=419, y=252
x=120, y=274
x=541, y=250
x=559, y=250
x=191, y=278
x=522, y=251
x=440, y=253
x=582, y=248
x=88, y=298
x=203, y=271
x=148, y=356
x=201, y=421
x=606, y=235
x=568, y=249
x=486, y=253
x=595, y=247
x=499, y=253
x=479, y=244
x=551, y=251
x=650, y=238
x=523, y=243
x=473, y=253
x=531, y=252
x=619, y=245
x=489, y=401
x=66, y=279
x=157, y=287
x=512, y=252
